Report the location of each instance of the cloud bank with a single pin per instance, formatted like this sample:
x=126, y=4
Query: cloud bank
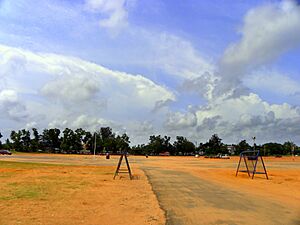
x=267, y=32
x=233, y=110
x=46, y=89
x=114, y=13
x=69, y=90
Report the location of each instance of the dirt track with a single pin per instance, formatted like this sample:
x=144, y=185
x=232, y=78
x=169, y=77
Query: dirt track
x=204, y=191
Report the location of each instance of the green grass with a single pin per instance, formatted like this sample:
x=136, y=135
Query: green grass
x=27, y=165
x=41, y=181
x=14, y=191
x=42, y=186
x=24, y=189
x=6, y=174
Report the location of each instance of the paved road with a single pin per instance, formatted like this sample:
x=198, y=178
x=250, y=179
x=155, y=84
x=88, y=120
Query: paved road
x=188, y=200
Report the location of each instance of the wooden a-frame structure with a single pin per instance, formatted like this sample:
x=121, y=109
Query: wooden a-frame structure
x=123, y=170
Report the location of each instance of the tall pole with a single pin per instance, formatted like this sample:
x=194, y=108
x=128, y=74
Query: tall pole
x=95, y=146
x=253, y=143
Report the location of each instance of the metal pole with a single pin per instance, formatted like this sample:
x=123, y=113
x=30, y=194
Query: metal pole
x=95, y=146
x=292, y=148
x=253, y=143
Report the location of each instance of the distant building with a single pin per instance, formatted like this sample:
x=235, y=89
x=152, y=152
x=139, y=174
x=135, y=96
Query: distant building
x=164, y=153
x=201, y=152
x=231, y=149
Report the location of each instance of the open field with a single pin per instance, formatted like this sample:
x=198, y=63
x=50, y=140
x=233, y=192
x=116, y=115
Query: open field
x=34, y=193
x=189, y=190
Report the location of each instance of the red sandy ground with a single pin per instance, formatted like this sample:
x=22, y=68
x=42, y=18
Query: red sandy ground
x=101, y=200
x=76, y=195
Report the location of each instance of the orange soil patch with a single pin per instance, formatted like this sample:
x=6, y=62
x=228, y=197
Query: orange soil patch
x=88, y=195
x=51, y=194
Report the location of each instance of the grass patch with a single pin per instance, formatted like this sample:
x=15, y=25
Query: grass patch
x=27, y=165
x=15, y=191
x=41, y=181
x=6, y=174
x=22, y=180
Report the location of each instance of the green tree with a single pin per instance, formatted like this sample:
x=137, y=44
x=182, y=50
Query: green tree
x=88, y=141
x=159, y=144
x=139, y=150
x=7, y=145
x=288, y=146
x=122, y=142
x=273, y=149
x=78, y=139
x=67, y=140
x=183, y=146
x=106, y=132
x=16, y=138
x=107, y=142
x=51, y=139
x=0, y=140
x=213, y=146
x=26, y=141
x=242, y=146
x=36, y=140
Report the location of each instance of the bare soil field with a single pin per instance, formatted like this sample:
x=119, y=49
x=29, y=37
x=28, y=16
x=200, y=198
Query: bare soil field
x=38, y=193
x=189, y=191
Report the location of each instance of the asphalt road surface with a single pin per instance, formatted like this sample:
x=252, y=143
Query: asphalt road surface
x=188, y=200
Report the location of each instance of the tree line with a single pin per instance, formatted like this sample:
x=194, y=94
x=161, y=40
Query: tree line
x=105, y=140
x=68, y=141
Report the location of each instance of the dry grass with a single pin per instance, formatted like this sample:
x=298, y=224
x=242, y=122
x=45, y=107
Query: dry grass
x=33, y=193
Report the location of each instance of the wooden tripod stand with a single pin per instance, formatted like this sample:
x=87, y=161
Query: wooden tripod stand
x=119, y=170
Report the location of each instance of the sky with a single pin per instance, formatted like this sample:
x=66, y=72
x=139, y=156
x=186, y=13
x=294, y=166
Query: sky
x=170, y=67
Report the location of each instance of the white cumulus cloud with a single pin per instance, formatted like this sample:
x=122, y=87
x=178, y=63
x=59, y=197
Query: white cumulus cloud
x=114, y=13
x=268, y=31
x=68, y=91
x=11, y=106
x=178, y=56
x=273, y=82
x=240, y=118
x=177, y=120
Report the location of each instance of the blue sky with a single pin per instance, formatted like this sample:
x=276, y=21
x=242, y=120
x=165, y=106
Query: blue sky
x=191, y=68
